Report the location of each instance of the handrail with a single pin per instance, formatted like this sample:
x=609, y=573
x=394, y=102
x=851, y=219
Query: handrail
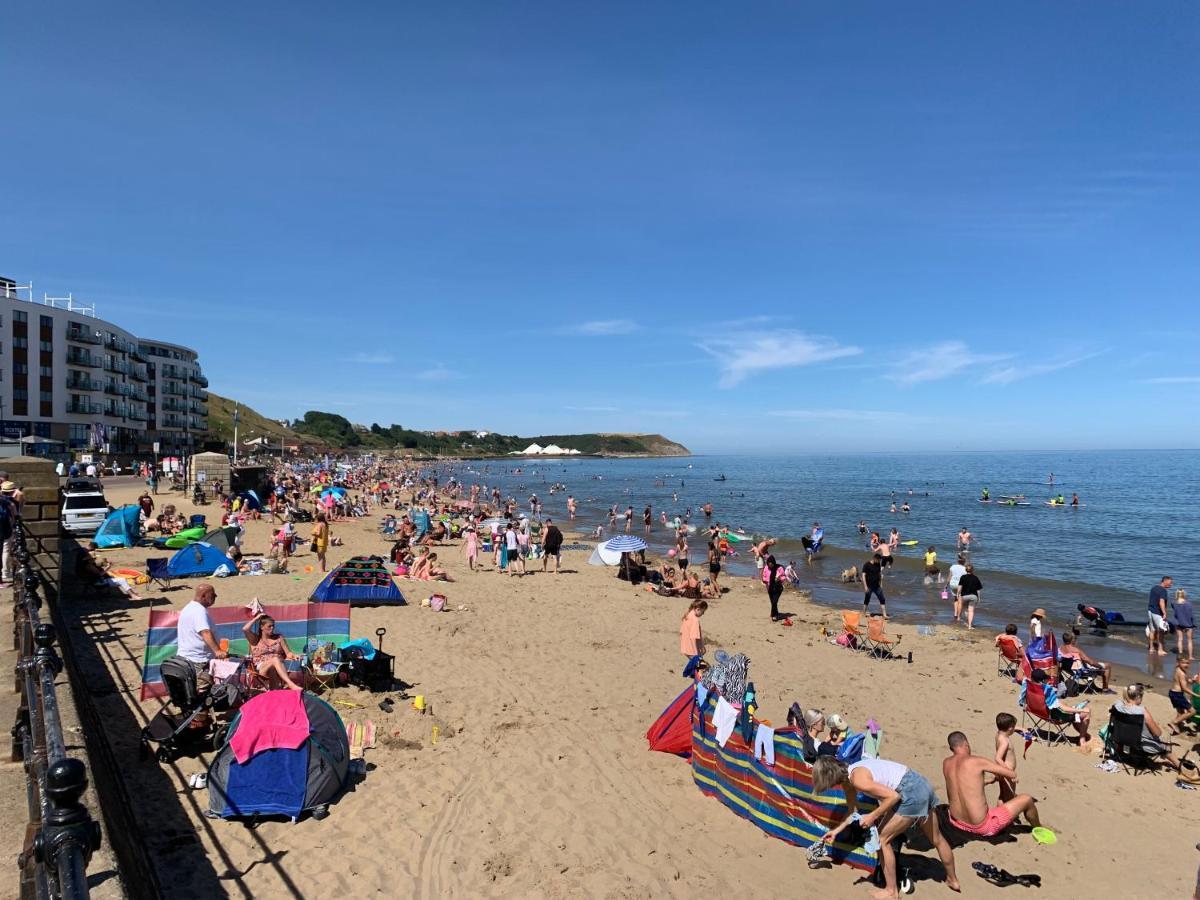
x=61, y=835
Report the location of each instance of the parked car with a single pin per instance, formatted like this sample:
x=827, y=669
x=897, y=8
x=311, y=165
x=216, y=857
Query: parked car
x=84, y=508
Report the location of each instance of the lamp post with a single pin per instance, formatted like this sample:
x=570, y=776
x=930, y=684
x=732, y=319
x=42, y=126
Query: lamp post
x=235, y=432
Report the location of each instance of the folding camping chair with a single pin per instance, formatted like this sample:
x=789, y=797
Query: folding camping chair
x=1125, y=742
x=1036, y=715
x=855, y=638
x=879, y=644
x=1008, y=657
x=157, y=572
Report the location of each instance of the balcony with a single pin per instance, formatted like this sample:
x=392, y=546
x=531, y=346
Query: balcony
x=83, y=408
x=138, y=374
x=139, y=394
x=199, y=379
x=170, y=421
x=137, y=355
x=199, y=409
x=76, y=357
x=116, y=410
x=138, y=415
x=116, y=389
x=77, y=382
x=83, y=335
x=117, y=345
x=173, y=390
x=117, y=366
x=173, y=405
x=199, y=424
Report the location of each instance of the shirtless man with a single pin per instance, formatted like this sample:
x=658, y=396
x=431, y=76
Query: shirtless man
x=760, y=551
x=964, y=539
x=969, y=809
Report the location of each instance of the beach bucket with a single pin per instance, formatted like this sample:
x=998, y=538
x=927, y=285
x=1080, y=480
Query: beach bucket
x=419, y=703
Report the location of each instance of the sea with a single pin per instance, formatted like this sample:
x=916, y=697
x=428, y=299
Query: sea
x=1138, y=519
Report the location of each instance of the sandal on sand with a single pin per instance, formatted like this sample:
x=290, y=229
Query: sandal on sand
x=1004, y=878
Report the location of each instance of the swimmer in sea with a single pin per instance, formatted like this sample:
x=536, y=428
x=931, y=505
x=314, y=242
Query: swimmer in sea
x=893, y=506
x=894, y=539
x=964, y=539
x=1074, y=499
x=862, y=527
x=905, y=507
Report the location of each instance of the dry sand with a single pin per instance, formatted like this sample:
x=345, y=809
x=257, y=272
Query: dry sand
x=541, y=784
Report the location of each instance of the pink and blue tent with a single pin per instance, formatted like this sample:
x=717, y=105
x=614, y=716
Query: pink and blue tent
x=300, y=623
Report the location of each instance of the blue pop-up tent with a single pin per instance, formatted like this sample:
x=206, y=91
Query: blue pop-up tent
x=122, y=528
x=199, y=559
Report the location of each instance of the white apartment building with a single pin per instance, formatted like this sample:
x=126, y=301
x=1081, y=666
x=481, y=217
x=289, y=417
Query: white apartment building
x=68, y=375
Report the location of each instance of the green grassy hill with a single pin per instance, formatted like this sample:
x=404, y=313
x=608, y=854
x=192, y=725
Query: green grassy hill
x=323, y=431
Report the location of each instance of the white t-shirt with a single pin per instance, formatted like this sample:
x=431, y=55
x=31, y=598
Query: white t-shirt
x=510, y=540
x=1035, y=627
x=192, y=620
x=957, y=571
x=91, y=470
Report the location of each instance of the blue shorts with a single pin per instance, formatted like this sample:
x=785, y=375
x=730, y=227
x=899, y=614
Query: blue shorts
x=1179, y=701
x=917, y=798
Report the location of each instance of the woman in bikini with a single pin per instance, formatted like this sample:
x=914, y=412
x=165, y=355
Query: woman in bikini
x=269, y=651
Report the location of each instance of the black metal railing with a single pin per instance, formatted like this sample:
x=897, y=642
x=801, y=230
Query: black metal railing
x=61, y=835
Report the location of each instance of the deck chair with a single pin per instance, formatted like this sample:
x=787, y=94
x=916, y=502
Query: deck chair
x=1008, y=657
x=852, y=630
x=156, y=570
x=1039, y=719
x=1126, y=743
x=1077, y=678
x=879, y=644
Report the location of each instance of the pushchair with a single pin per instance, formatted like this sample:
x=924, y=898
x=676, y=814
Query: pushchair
x=174, y=728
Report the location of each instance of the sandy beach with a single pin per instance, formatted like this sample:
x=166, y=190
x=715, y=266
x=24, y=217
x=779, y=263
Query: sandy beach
x=541, y=785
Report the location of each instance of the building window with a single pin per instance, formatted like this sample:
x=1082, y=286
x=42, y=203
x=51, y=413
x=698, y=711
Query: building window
x=20, y=316
x=46, y=371
x=20, y=343
x=47, y=347
x=47, y=396
x=78, y=435
x=47, y=322
x=20, y=394
x=20, y=369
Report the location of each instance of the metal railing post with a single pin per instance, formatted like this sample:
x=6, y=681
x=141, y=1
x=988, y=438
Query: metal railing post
x=61, y=835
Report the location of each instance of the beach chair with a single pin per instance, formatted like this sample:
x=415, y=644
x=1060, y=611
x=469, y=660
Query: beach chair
x=879, y=644
x=1039, y=719
x=1008, y=657
x=1078, y=678
x=156, y=571
x=1126, y=743
x=852, y=635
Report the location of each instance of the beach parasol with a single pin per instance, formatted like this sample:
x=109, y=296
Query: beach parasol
x=625, y=543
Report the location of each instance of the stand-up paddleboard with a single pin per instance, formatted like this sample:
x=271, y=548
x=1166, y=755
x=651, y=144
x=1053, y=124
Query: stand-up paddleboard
x=909, y=543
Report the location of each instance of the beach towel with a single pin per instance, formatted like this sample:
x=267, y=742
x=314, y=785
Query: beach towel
x=361, y=736
x=271, y=721
x=272, y=783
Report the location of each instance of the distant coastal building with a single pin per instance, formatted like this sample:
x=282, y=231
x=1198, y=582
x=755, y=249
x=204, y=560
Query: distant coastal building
x=72, y=377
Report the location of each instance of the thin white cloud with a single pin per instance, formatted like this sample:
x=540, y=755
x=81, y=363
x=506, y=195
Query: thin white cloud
x=846, y=415
x=439, y=373
x=944, y=360
x=1019, y=372
x=1172, y=379
x=604, y=327
x=372, y=359
x=740, y=356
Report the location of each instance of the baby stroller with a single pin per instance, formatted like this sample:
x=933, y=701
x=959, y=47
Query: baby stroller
x=174, y=728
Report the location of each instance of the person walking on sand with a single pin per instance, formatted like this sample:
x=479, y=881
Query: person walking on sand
x=774, y=578
x=691, y=639
x=552, y=542
x=681, y=551
x=320, y=539
x=967, y=594
x=471, y=546
x=872, y=579
x=1158, y=615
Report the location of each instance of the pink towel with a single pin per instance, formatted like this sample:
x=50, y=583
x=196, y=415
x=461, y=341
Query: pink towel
x=223, y=669
x=274, y=720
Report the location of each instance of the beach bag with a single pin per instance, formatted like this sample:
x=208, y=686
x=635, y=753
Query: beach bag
x=437, y=603
x=846, y=640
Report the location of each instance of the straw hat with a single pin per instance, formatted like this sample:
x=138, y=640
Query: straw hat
x=8, y=487
x=1039, y=613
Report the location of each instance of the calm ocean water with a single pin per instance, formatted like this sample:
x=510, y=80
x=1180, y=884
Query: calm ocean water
x=1140, y=519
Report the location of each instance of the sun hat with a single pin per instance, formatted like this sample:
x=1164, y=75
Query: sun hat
x=1039, y=613
x=8, y=487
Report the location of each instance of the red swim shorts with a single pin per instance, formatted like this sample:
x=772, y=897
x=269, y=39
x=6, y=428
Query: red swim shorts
x=997, y=819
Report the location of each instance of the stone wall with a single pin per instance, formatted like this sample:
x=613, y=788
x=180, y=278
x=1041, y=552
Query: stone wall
x=39, y=482
x=215, y=467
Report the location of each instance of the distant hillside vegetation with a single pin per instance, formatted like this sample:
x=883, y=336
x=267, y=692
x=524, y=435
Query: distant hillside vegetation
x=322, y=430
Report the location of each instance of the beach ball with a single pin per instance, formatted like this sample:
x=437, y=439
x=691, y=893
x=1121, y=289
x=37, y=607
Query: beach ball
x=671, y=553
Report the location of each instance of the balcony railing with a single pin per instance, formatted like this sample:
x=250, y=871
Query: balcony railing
x=119, y=366
x=83, y=408
x=83, y=336
x=118, y=345
x=116, y=410
x=83, y=383
x=174, y=390
x=137, y=355
x=199, y=423
x=174, y=405
x=139, y=394
x=77, y=358
x=199, y=409
x=170, y=421
x=138, y=415
x=199, y=379
x=138, y=374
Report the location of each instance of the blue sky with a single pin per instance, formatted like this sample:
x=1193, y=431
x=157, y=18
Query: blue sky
x=778, y=225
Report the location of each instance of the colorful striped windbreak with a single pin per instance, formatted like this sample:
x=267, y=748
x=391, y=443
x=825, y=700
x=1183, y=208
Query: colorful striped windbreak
x=778, y=799
x=298, y=622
